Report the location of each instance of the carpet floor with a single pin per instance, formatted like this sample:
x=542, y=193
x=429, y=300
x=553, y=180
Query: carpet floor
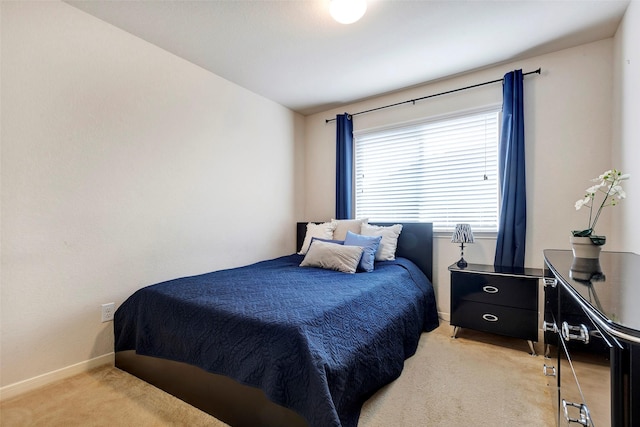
x=474, y=379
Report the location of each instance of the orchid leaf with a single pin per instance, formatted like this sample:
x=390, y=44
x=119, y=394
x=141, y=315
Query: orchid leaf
x=582, y=233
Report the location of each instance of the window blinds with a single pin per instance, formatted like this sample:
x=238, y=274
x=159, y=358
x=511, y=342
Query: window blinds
x=442, y=171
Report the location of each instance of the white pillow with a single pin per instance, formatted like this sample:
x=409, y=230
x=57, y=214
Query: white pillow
x=323, y=231
x=387, y=249
x=332, y=256
x=344, y=225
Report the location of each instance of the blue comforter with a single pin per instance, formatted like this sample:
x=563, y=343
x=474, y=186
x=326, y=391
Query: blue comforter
x=317, y=341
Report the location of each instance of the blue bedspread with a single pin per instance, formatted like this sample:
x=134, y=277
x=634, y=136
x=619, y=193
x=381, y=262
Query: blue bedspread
x=317, y=341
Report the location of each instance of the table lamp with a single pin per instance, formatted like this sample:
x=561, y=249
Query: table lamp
x=462, y=235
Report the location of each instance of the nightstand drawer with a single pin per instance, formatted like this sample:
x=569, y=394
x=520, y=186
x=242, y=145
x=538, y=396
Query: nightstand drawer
x=517, y=292
x=498, y=319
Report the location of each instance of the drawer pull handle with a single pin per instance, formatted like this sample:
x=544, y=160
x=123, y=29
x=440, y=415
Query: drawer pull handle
x=549, y=327
x=490, y=289
x=577, y=333
x=549, y=371
x=490, y=317
x=553, y=282
x=585, y=417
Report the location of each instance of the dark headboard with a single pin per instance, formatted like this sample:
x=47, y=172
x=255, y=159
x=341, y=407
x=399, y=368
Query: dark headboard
x=415, y=243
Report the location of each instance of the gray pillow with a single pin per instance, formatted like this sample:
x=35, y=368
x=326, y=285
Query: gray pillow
x=344, y=225
x=332, y=256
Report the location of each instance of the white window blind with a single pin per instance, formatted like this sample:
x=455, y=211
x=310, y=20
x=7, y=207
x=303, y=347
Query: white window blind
x=442, y=171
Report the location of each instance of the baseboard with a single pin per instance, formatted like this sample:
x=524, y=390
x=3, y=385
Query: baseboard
x=25, y=386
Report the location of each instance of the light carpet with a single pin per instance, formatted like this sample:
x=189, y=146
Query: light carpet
x=474, y=379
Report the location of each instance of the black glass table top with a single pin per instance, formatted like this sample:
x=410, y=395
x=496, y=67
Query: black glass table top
x=610, y=286
x=498, y=270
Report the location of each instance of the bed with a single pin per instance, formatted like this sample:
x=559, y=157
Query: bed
x=275, y=344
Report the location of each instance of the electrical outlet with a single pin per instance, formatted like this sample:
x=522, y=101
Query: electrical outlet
x=107, y=311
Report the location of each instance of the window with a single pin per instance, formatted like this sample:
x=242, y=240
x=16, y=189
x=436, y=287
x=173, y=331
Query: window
x=443, y=170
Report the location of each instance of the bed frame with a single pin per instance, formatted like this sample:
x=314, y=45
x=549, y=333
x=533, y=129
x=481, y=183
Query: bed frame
x=230, y=401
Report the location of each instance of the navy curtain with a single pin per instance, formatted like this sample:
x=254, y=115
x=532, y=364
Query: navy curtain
x=513, y=213
x=344, y=166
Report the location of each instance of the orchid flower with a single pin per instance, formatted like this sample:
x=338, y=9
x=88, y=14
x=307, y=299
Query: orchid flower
x=608, y=184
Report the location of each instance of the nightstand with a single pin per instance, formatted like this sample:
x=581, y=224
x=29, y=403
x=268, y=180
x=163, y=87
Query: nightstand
x=498, y=300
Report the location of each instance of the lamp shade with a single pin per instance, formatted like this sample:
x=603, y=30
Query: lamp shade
x=462, y=234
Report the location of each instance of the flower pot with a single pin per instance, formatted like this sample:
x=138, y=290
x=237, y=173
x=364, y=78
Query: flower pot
x=583, y=247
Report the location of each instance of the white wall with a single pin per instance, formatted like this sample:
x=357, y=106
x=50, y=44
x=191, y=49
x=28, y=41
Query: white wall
x=626, y=135
x=122, y=165
x=568, y=141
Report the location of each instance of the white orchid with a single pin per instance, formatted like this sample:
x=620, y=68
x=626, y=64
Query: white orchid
x=609, y=185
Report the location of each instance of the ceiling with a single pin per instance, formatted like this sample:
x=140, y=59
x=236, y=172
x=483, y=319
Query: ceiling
x=292, y=52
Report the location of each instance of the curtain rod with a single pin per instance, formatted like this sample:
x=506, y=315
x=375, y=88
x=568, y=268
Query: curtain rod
x=538, y=71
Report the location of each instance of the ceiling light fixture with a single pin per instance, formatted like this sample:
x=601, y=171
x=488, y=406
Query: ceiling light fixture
x=347, y=11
